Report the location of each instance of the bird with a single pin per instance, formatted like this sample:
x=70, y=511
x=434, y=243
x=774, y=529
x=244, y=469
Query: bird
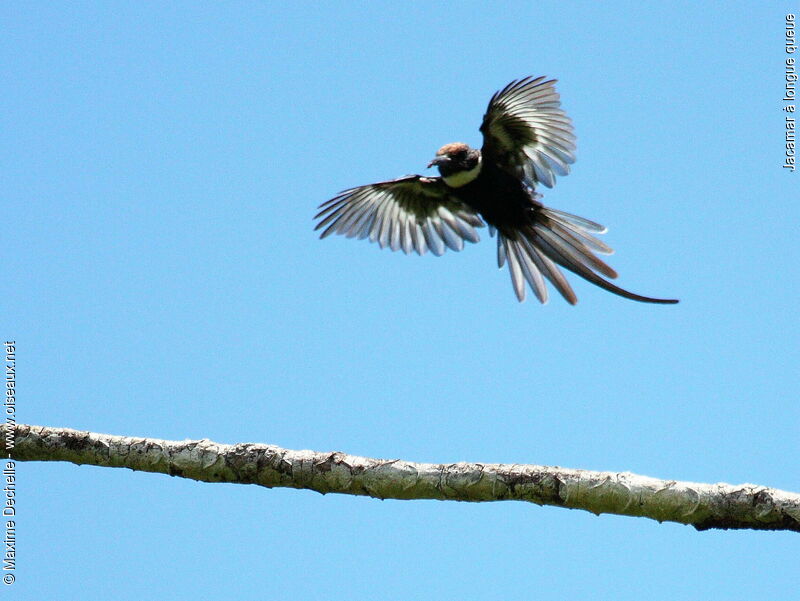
x=528, y=140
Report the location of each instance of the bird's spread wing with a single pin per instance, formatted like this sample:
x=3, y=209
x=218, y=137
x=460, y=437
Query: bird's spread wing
x=526, y=132
x=557, y=238
x=410, y=213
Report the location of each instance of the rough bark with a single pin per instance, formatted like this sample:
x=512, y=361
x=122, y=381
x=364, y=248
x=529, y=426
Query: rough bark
x=703, y=506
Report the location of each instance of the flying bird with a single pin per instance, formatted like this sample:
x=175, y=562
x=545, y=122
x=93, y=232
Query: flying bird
x=527, y=140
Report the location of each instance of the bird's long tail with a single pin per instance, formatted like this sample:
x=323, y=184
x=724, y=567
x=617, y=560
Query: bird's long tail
x=556, y=238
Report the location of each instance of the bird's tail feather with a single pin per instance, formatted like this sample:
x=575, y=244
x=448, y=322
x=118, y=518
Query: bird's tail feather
x=557, y=238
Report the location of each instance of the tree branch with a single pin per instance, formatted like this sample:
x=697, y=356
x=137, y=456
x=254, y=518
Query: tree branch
x=703, y=506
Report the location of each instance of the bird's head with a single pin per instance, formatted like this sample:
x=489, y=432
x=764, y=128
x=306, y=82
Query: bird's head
x=458, y=163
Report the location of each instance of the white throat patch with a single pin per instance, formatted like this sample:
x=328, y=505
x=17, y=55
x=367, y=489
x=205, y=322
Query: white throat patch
x=462, y=178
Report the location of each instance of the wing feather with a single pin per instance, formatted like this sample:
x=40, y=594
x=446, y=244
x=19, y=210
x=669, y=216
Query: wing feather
x=412, y=213
x=526, y=132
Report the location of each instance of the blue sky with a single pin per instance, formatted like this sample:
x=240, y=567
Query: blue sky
x=162, y=164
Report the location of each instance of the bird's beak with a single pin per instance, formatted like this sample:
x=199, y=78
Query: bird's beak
x=438, y=161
